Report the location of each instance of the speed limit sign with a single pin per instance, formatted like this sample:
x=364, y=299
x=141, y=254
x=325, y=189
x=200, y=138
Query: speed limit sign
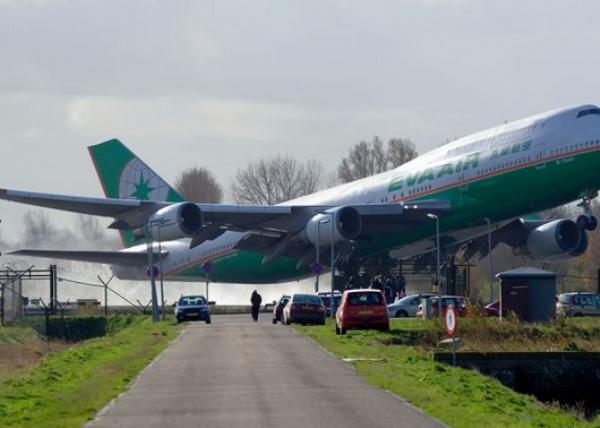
x=451, y=320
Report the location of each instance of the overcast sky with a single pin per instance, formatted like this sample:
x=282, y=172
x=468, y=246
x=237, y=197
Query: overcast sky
x=218, y=83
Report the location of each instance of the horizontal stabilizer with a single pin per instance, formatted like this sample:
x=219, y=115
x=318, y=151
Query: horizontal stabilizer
x=120, y=258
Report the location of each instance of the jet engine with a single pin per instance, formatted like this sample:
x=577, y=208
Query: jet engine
x=347, y=226
x=176, y=221
x=555, y=241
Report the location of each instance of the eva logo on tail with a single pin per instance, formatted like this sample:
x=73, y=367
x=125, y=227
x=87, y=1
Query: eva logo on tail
x=137, y=181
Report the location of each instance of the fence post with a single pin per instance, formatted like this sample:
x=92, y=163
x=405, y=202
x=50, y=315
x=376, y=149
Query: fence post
x=2, y=303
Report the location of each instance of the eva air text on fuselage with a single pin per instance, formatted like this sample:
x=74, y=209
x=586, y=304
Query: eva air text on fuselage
x=464, y=163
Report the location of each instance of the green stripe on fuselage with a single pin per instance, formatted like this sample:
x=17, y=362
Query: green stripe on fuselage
x=503, y=196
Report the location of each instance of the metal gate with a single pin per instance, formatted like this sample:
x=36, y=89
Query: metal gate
x=27, y=294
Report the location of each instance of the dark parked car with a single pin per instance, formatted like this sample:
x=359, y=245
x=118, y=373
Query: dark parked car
x=192, y=307
x=364, y=308
x=304, y=309
x=278, y=308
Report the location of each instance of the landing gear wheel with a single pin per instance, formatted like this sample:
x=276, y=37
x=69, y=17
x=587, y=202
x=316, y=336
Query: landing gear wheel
x=587, y=223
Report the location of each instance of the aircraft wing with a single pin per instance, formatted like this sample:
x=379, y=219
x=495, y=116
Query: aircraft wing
x=122, y=258
x=131, y=211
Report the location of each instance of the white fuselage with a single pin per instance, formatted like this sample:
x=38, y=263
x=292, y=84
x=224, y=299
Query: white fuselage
x=475, y=157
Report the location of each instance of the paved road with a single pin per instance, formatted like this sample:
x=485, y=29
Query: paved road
x=235, y=373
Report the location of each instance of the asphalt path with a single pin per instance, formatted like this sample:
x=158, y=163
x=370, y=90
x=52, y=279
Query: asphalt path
x=237, y=373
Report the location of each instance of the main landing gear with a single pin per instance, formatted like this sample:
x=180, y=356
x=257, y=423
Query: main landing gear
x=587, y=221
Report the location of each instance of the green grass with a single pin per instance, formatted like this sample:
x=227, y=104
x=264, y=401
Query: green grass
x=16, y=335
x=68, y=387
x=490, y=335
x=458, y=397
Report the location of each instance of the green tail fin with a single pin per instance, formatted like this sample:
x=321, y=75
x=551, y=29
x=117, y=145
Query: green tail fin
x=125, y=176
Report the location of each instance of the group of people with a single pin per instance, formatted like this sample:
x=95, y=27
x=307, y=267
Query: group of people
x=391, y=288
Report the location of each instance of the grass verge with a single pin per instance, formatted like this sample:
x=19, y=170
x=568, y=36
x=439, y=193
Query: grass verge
x=458, y=397
x=68, y=387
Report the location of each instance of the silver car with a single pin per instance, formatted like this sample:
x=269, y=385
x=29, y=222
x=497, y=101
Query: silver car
x=407, y=306
x=578, y=304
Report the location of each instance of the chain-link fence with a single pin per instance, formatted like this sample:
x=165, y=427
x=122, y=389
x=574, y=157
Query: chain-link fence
x=27, y=296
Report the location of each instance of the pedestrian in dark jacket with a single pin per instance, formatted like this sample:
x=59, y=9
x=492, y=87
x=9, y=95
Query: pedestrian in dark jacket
x=256, y=300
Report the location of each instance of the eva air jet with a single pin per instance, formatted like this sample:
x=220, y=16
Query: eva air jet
x=496, y=176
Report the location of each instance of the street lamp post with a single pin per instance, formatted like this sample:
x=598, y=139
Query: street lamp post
x=160, y=267
x=333, y=308
x=489, y=223
x=317, y=262
x=437, y=246
x=155, y=317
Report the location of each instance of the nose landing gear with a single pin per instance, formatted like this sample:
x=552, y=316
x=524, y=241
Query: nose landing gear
x=587, y=221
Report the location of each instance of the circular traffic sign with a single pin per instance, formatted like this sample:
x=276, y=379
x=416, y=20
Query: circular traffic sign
x=155, y=272
x=317, y=268
x=451, y=320
x=207, y=267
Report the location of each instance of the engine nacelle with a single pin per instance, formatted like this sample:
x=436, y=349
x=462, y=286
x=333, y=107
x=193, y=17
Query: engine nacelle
x=347, y=226
x=556, y=240
x=176, y=221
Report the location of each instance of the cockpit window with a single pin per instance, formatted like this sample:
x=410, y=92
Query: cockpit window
x=588, y=111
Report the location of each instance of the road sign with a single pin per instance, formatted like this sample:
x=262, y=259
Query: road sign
x=317, y=268
x=155, y=272
x=451, y=320
x=207, y=267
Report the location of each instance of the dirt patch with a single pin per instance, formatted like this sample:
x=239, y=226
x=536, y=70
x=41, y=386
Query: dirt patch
x=16, y=358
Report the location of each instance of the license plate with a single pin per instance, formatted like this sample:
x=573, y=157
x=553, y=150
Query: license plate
x=365, y=312
x=192, y=314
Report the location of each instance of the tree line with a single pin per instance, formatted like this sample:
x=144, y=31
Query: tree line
x=279, y=178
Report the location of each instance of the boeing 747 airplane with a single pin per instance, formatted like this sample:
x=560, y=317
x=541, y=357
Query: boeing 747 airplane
x=498, y=176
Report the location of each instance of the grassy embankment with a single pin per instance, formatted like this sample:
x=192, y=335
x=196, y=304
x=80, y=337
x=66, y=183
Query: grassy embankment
x=461, y=398
x=68, y=387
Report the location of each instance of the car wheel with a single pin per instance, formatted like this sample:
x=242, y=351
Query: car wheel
x=401, y=314
x=274, y=320
x=287, y=321
x=342, y=330
x=208, y=320
x=337, y=329
x=386, y=328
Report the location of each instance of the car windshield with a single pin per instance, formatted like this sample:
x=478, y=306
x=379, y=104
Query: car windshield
x=327, y=300
x=191, y=301
x=406, y=300
x=308, y=299
x=564, y=298
x=366, y=298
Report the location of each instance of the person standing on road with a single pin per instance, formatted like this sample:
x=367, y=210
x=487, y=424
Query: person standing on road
x=256, y=300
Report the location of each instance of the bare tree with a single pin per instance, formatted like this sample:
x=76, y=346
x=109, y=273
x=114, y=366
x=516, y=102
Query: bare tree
x=399, y=151
x=365, y=159
x=38, y=228
x=89, y=228
x=199, y=185
x=277, y=179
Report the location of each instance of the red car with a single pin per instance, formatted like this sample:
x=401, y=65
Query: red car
x=362, y=308
x=304, y=309
x=492, y=309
